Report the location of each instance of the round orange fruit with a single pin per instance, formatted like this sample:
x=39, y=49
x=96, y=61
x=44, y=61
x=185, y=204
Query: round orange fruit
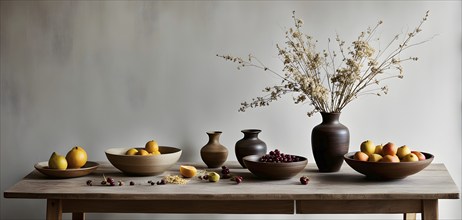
x=131, y=151
x=361, y=156
x=76, y=157
x=155, y=153
x=151, y=146
x=142, y=152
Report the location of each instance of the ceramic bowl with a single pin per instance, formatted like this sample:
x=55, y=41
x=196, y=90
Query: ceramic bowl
x=67, y=173
x=274, y=171
x=387, y=170
x=150, y=165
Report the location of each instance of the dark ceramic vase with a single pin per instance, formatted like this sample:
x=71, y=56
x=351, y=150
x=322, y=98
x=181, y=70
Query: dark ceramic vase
x=329, y=141
x=213, y=153
x=249, y=145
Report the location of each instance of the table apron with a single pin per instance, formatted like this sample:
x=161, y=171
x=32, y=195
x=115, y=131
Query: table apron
x=245, y=206
x=180, y=206
x=358, y=206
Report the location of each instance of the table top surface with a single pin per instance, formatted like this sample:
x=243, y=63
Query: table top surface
x=434, y=182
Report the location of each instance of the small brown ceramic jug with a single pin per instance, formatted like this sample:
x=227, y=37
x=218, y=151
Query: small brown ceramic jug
x=213, y=153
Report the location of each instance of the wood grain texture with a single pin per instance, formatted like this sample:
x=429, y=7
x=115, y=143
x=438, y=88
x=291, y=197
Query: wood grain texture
x=54, y=209
x=430, y=209
x=434, y=182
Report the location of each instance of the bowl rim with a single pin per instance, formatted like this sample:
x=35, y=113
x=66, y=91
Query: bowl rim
x=348, y=156
x=246, y=158
x=264, y=169
x=91, y=165
x=177, y=150
x=43, y=168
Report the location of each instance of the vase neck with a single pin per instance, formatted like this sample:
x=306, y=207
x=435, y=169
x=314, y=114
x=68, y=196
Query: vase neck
x=214, y=136
x=251, y=133
x=330, y=117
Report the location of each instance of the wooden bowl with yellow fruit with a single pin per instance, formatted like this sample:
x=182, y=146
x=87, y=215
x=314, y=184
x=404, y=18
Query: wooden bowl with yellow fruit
x=74, y=164
x=151, y=160
x=387, y=161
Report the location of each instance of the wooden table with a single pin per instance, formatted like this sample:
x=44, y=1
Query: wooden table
x=342, y=192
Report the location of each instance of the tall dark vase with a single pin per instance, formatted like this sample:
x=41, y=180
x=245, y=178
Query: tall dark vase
x=329, y=141
x=249, y=145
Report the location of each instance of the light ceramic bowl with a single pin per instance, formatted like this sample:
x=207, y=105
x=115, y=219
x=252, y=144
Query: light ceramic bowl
x=67, y=173
x=387, y=170
x=274, y=171
x=150, y=165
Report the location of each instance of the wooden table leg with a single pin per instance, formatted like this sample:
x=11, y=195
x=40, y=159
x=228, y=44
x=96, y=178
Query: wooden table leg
x=78, y=216
x=430, y=209
x=410, y=216
x=54, y=209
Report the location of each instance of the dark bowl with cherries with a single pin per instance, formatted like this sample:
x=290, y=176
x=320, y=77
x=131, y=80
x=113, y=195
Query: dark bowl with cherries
x=275, y=165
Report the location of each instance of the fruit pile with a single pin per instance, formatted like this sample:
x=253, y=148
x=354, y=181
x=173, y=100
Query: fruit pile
x=277, y=157
x=75, y=158
x=151, y=148
x=225, y=173
x=387, y=153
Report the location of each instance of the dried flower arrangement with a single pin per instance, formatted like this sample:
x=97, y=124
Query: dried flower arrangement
x=329, y=80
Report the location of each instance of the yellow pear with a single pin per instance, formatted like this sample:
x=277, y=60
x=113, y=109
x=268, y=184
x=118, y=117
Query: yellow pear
x=367, y=147
x=375, y=158
x=403, y=151
x=57, y=161
x=378, y=149
x=76, y=157
x=410, y=158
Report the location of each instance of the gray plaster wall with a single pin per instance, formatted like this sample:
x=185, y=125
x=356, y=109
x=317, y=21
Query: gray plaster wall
x=103, y=74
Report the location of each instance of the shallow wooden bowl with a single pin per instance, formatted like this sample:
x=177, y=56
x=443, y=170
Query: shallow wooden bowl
x=68, y=173
x=387, y=170
x=149, y=165
x=274, y=171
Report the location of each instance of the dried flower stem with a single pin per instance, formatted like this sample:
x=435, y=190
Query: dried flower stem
x=314, y=77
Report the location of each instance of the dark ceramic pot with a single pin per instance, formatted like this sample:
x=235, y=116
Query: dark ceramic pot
x=329, y=141
x=213, y=153
x=249, y=145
